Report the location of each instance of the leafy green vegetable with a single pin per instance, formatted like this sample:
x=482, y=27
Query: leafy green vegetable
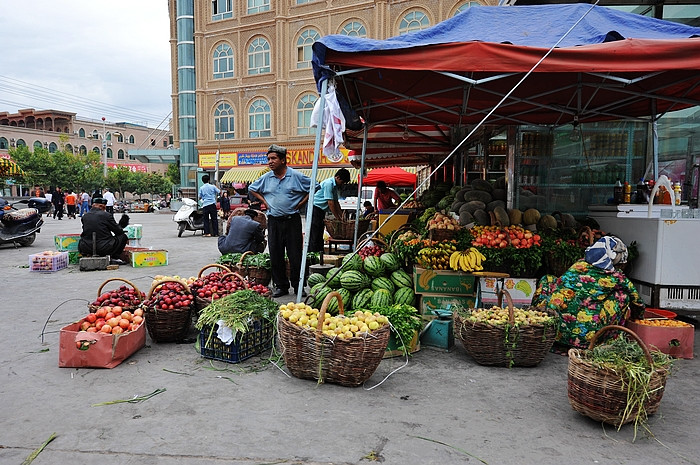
x=237, y=310
x=229, y=259
x=404, y=323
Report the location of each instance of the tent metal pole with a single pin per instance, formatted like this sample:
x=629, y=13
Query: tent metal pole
x=655, y=141
x=312, y=190
x=359, y=185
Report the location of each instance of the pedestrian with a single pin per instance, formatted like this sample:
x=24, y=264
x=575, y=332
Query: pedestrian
x=109, y=197
x=325, y=201
x=49, y=197
x=84, y=202
x=244, y=234
x=110, y=236
x=225, y=204
x=369, y=209
x=207, y=194
x=283, y=190
x=385, y=197
x=591, y=294
x=71, y=203
x=58, y=199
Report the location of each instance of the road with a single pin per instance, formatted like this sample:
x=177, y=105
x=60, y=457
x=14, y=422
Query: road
x=437, y=407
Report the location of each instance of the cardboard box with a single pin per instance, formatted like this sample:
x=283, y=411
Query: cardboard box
x=101, y=351
x=677, y=342
x=66, y=242
x=428, y=303
x=444, y=282
x=521, y=290
x=148, y=258
x=48, y=261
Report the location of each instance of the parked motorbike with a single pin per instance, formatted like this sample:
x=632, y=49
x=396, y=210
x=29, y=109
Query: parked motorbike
x=189, y=217
x=18, y=226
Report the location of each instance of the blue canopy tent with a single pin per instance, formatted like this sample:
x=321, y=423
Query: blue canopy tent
x=544, y=64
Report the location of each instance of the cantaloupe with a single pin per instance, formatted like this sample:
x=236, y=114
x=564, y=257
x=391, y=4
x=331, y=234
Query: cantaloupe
x=465, y=218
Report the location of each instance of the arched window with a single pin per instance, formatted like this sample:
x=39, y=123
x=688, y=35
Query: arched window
x=81, y=132
x=259, y=56
x=413, y=21
x=95, y=134
x=465, y=6
x=38, y=145
x=110, y=154
x=96, y=149
x=224, y=122
x=223, y=61
x=120, y=154
x=354, y=29
x=53, y=147
x=68, y=148
x=131, y=139
x=258, y=6
x=221, y=9
x=83, y=150
x=4, y=144
x=304, y=108
x=108, y=136
x=259, y=119
x=304, y=43
x=21, y=143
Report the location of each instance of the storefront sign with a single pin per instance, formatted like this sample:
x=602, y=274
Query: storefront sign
x=226, y=160
x=303, y=158
x=133, y=167
x=252, y=158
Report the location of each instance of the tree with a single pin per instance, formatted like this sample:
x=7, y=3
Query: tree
x=60, y=168
x=118, y=180
x=173, y=172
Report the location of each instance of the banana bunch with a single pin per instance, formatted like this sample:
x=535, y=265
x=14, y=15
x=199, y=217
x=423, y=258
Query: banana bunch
x=433, y=258
x=467, y=260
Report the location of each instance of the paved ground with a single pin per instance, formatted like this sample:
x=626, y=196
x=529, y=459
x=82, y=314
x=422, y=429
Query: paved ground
x=439, y=408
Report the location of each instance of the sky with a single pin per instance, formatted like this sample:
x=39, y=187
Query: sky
x=95, y=58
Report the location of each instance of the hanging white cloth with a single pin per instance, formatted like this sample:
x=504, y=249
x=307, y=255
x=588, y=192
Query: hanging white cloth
x=333, y=122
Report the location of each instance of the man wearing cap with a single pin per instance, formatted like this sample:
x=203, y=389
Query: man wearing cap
x=326, y=200
x=110, y=236
x=244, y=234
x=283, y=190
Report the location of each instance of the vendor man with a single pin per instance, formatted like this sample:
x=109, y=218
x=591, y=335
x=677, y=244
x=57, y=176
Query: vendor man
x=326, y=200
x=244, y=235
x=110, y=236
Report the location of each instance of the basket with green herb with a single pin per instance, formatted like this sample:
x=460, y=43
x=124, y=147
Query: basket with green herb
x=250, y=318
x=257, y=267
x=618, y=382
x=506, y=336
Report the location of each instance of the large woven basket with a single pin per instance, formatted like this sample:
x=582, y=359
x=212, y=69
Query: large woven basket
x=312, y=355
x=167, y=325
x=507, y=345
x=93, y=308
x=201, y=302
x=338, y=229
x=442, y=234
x=600, y=393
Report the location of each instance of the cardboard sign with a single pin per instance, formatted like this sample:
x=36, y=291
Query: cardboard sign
x=101, y=350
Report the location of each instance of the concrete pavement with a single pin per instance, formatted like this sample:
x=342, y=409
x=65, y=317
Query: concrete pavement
x=439, y=407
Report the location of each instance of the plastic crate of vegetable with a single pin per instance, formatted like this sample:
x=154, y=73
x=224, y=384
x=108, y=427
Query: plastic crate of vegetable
x=257, y=339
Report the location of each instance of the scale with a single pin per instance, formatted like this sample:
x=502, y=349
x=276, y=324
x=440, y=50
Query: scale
x=439, y=332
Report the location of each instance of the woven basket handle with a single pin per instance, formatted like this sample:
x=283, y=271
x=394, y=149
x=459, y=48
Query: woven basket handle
x=324, y=307
x=375, y=239
x=509, y=301
x=237, y=276
x=245, y=254
x=138, y=293
x=636, y=338
x=213, y=265
x=156, y=285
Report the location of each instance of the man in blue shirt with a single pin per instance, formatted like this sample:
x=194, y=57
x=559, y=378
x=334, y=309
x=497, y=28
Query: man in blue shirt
x=283, y=190
x=326, y=200
x=207, y=194
x=244, y=234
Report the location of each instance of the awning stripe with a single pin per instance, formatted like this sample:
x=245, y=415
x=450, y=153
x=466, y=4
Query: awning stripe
x=8, y=168
x=251, y=174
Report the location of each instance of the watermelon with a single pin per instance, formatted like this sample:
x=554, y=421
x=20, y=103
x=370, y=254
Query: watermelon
x=391, y=263
x=353, y=280
x=334, y=276
x=404, y=295
x=315, y=278
x=352, y=262
x=402, y=279
x=381, y=298
x=383, y=283
x=320, y=294
x=373, y=266
x=346, y=297
x=362, y=299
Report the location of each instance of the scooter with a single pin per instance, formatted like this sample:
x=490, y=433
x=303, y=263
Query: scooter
x=189, y=217
x=19, y=226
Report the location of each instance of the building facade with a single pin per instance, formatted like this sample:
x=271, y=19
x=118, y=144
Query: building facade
x=242, y=76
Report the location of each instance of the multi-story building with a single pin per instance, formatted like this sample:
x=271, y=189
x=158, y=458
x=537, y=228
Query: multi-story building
x=242, y=76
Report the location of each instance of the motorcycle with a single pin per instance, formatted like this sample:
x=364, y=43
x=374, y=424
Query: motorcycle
x=19, y=226
x=189, y=217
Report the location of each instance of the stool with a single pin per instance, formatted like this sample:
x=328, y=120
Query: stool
x=334, y=243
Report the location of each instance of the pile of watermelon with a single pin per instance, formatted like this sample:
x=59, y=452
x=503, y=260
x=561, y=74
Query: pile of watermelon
x=375, y=281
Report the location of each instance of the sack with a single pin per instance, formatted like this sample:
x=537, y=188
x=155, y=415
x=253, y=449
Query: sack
x=353, y=121
x=101, y=350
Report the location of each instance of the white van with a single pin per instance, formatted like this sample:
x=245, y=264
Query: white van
x=350, y=203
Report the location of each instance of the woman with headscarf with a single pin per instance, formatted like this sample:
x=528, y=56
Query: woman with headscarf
x=591, y=294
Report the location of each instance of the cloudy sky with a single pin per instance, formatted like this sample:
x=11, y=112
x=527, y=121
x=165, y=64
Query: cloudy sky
x=96, y=58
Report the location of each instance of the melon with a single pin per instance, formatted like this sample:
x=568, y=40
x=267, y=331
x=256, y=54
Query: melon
x=362, y=299
x=495, y=203
x=476, y=194
x=471, y=207
x=383, y=283
x=391, y=262
x=481, y=185
x=381, y=298
x=531, y=216
x=482, y=218
x=501, y=216
x=546, y=222
x=465, y=218
x=499, y=194
x=352, y=262
x=373, y=266
x=516, y=216
x=404, y=295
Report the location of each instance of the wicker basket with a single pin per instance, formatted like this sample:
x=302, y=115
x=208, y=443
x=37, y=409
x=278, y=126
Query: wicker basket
x=375, y=240
x=167, y=325
x=242, y=269
x=93, y=308
x=345, y=230
x=312, y=355
x=442, y=234
x=600, y=393
x=201, y=302
x=507, y=345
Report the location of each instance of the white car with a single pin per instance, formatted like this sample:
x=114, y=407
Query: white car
x=350, y=203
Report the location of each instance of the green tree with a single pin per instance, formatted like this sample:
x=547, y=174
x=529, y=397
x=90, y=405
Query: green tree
x=173, y=172
x=119, y=180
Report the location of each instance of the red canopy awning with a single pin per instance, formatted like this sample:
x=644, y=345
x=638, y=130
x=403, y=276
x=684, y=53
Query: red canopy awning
x=393, y=176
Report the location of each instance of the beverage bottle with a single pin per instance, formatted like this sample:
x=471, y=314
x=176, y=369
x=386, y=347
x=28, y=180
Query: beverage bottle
x=627, y=193
x=618, y=192
x=677, y=192
x=642, y=193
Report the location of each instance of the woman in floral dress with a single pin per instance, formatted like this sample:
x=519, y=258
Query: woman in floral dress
x=591, y=294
